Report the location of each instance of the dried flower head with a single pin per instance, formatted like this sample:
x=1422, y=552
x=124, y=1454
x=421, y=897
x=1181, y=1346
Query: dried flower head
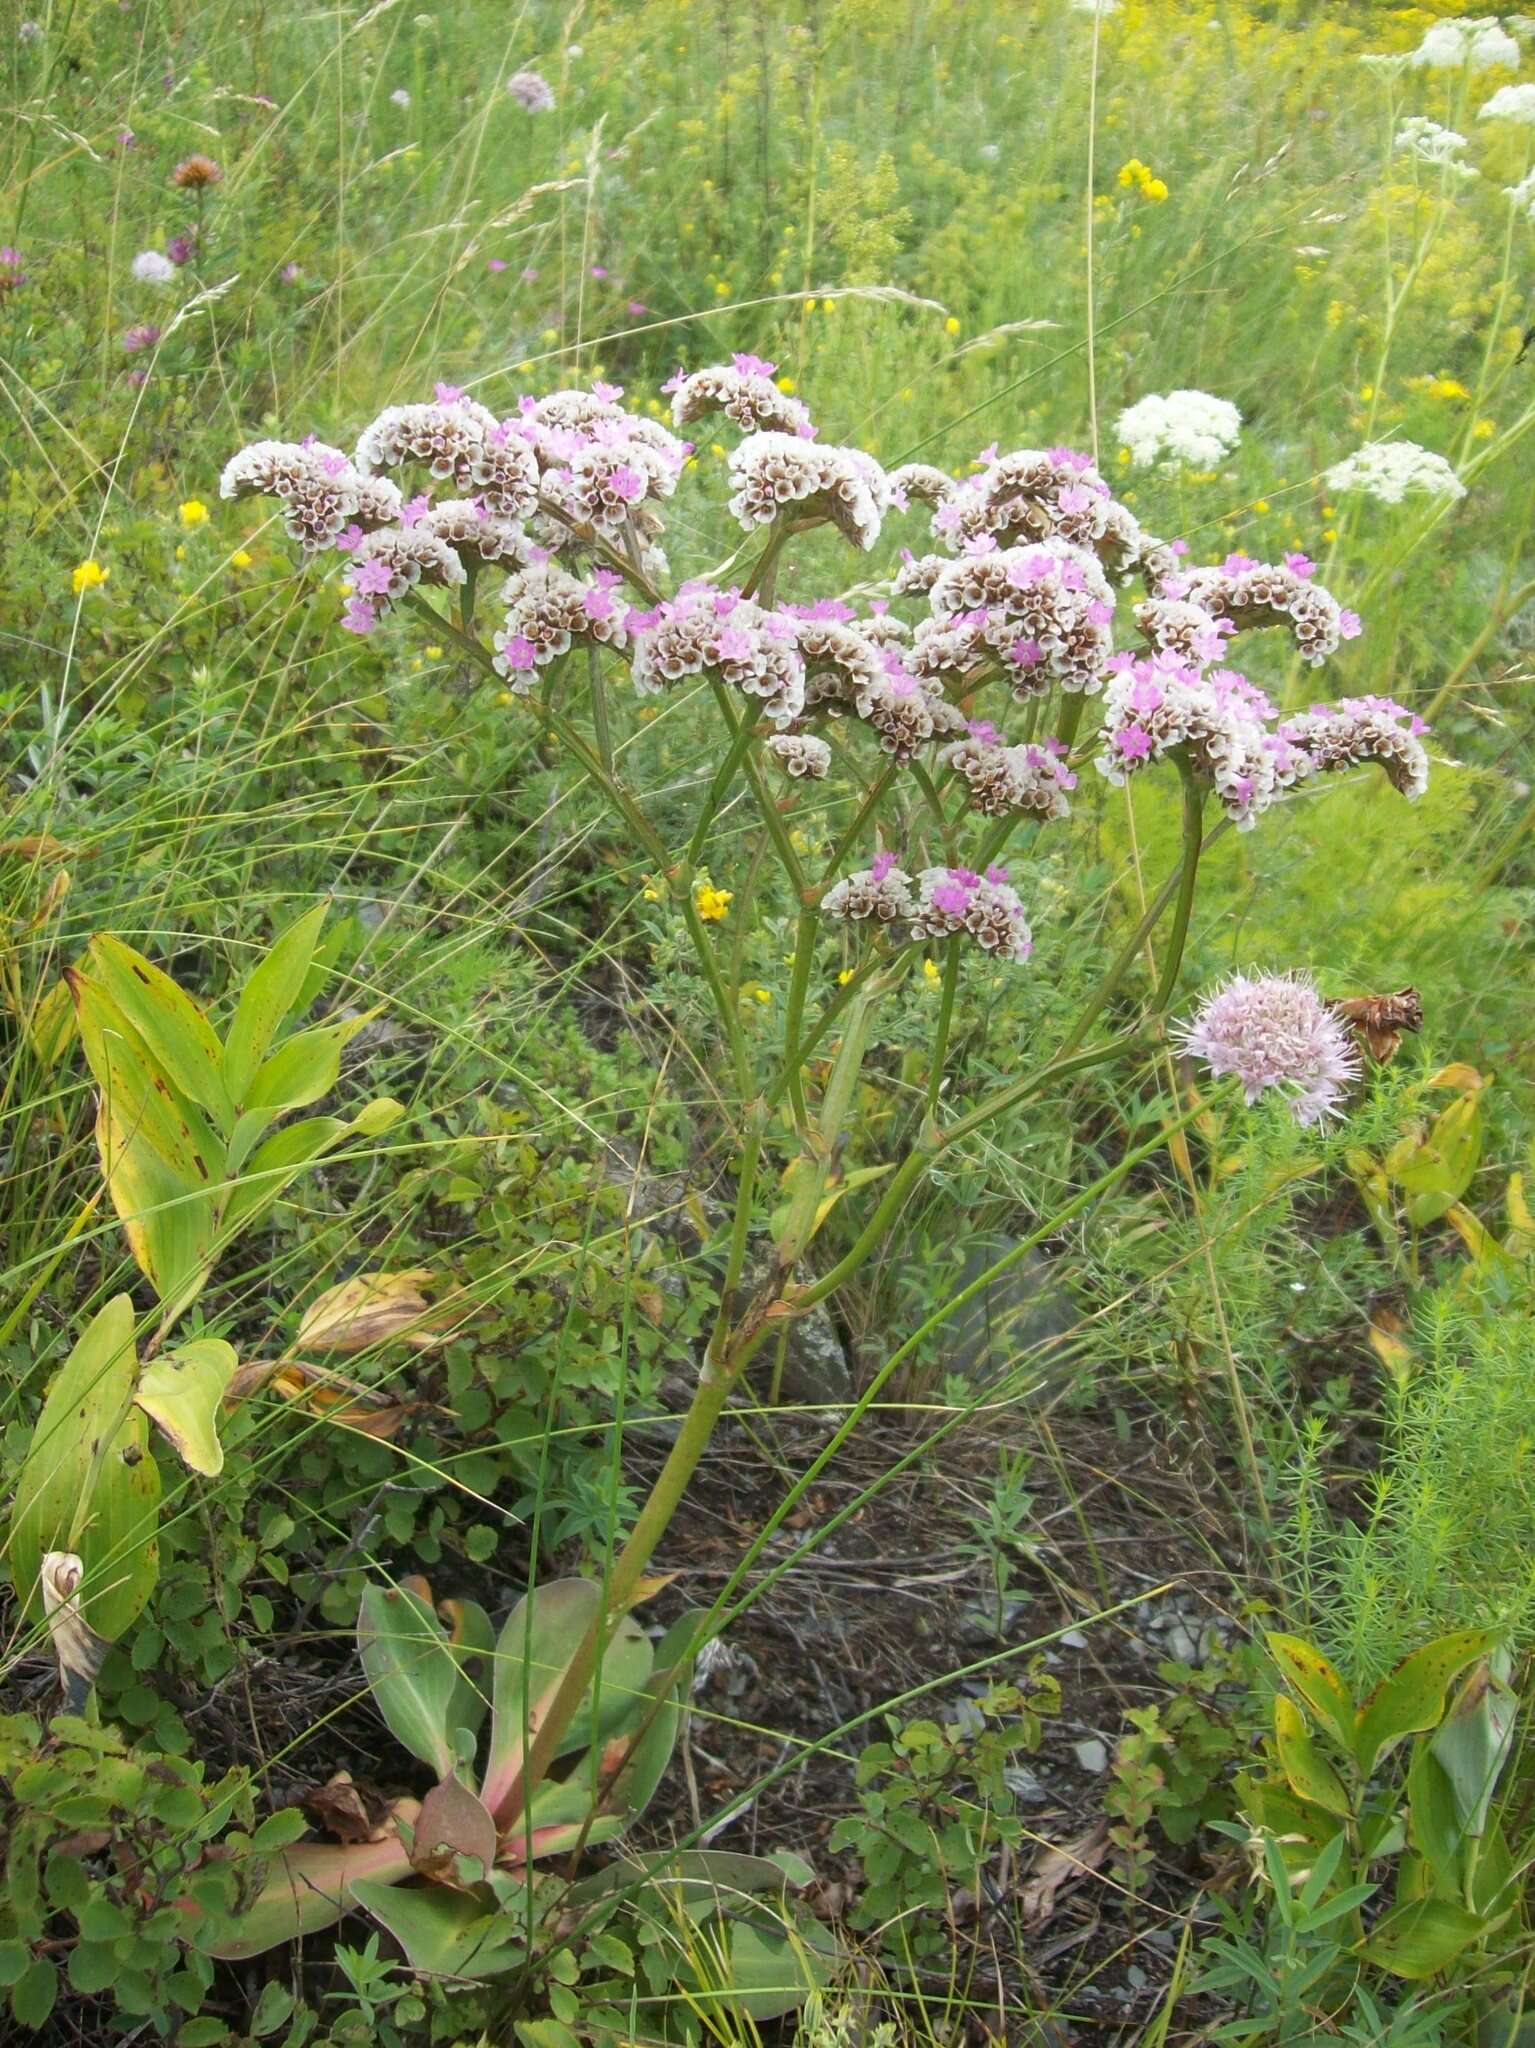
x=752, y=650
x=801, y=754
x=546, y=610
x=1250, y=594
x=195, y=173
x=1030, y=780
x=1357, y=730
x=1276, y=1032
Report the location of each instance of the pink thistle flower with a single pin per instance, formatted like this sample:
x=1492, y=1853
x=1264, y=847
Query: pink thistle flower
x=1275, y=1032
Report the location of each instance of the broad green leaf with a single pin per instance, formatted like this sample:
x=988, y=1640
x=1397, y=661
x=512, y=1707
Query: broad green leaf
x=1475, y=1739
x=472, y=1640
x=1434, y=1826
x=303, y=1068
x=270, y=992
x=175, y=1033
x=1418, y=1939
x=307, y=1888
x=89, y=1484
x=412, y=1672
x=1411, y=1698
x=1437, y=1169
x=536, y=1647
x=181, y=1390
x=445, y=1933
x=1310, y=1775
x=634, y=1768
x=162, y=1164
x=1318, y=1684
x=277, y=1163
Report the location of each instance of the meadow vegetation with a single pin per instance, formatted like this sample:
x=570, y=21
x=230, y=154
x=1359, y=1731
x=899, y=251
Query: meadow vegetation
x=714, y=1328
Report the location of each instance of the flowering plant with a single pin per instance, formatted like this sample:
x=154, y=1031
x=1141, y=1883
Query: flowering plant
x=1008, y=613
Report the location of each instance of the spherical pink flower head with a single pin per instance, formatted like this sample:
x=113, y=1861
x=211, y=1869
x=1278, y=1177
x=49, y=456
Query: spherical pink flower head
x=531, y=92
x=1276, y=1032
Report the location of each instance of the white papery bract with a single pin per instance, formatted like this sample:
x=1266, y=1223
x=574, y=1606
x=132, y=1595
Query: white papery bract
x=778, y=473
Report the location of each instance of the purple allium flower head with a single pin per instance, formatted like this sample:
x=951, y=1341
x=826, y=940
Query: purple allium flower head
x=1276, y=1032
x=531, y=92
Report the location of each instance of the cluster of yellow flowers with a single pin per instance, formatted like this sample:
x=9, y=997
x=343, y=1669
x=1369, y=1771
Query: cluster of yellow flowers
x=1141, y=177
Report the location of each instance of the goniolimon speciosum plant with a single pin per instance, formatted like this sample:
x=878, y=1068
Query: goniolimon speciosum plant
x=559, y=505
x=195, y=1149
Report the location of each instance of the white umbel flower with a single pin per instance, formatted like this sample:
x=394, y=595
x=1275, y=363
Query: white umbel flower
x=1389, y=470
x=1173, y=427
x=1510, y=103
x=1475, y=41
x=1427, y=143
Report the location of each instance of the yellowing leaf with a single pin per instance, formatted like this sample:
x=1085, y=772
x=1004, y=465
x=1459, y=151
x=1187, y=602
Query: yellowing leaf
x=181, y=1391
x=370, y=1309
x=1457, y=1075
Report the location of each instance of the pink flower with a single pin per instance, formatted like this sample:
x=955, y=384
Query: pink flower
x=608, y=393
x=636, y=309
x=415, y=509
x=371, y=578
x=1099, y=613
x=1027, y=653
x=496, y=263
x=753, y=366
x=1144, y=696
x=1133, y=741
x=350, y=537
x=447, y=394
x=359, y=616
x=627, y=483
x=1276, y=1032
x=1300, y=565
x=1238, y=565
x=1350, y=625
x=519, y=653
x=883, y=863
x=529, y=274
x=995, y=874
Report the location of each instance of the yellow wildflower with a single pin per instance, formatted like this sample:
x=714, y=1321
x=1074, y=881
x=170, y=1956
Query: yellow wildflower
x=844, y=977
x=1447, y=387
x=240, y=559
x=87, y=576
x=1484, y=430
x=193, y=512
x=711, y=903
x=930, y=973
x=951, y=325
x=432, y=653
x=763, y=995
x=786, y=385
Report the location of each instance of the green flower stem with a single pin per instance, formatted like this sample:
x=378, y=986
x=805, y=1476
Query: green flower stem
x=865, y=811
x=638, y=823
x=1193, y=842
x=940, y=1044
x=723, y=776
x=769, y=812
x=794, y=1022
x=599, y=696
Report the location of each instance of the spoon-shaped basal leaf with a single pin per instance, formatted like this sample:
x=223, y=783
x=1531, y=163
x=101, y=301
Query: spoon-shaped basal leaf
x=412, y=1670
x=181, y=1391
x=89, y=1484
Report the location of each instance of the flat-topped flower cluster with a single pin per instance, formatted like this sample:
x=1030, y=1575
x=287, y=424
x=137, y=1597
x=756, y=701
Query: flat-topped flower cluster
x=1018, y=593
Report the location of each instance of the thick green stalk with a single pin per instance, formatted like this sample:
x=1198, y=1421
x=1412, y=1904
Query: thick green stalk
x=1193, y=840
x=940, y=1044
x=799, y=982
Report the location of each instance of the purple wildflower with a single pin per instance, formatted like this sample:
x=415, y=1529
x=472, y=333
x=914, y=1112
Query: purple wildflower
x=1276, y=1032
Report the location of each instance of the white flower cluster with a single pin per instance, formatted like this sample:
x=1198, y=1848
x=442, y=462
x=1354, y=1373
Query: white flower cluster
x=801, y=754
x=1522, y=195
x=458, y=442
x=547, y=609
x=1029, y=780
x=1188, y=427
x=1477, y=42
x=1245, y=594
x=745, y=392
x=1427, y=143
x=951, y=901
x=753, y=650
x=1356, y=730
x=772, y=473
x=1388, y=470
x=1217, y=721
x=320, y=492
x=1510, y=103
x=1043, y=613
